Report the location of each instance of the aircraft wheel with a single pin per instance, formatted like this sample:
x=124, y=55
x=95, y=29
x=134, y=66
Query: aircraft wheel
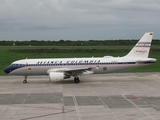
x=24, y=81
x=76, y=80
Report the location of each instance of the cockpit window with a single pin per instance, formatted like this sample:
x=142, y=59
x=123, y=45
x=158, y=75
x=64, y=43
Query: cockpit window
x=12, y=64
x=15, y=65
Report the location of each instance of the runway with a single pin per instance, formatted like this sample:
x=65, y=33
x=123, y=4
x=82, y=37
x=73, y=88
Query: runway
x=119, y=96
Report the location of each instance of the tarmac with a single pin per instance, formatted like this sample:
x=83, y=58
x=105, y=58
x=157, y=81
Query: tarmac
x=119, y=96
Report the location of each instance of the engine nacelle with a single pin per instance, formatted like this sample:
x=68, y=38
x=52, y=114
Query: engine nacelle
x=55, y=76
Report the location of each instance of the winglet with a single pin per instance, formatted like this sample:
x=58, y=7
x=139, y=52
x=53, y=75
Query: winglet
x=142, y=48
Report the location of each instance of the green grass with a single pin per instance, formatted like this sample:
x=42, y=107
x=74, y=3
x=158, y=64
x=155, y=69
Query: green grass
x=8, y=54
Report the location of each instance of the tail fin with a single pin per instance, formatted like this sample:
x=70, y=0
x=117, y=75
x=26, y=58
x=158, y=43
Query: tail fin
x=141, y=49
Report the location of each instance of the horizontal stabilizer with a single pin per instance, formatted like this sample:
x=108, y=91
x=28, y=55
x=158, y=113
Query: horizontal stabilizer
x=149, y=60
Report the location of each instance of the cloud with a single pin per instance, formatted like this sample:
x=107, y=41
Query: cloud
x=64, y=17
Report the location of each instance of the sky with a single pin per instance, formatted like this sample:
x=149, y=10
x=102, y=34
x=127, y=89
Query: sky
x=78, y=19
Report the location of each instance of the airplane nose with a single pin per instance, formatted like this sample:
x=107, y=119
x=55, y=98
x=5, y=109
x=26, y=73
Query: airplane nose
x=7, y=70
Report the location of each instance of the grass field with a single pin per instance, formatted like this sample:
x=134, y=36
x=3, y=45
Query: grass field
x=8, y=54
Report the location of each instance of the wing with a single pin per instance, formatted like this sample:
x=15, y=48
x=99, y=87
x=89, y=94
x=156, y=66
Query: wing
x=73, y=71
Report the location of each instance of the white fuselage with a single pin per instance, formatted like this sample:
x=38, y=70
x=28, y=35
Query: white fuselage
x=101, y=65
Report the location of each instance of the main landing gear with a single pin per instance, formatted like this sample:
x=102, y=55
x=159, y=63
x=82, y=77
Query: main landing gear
x=76, y=80
x=25, y=80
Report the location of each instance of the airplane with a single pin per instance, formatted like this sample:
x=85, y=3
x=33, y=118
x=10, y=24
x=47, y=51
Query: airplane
x=63, y=68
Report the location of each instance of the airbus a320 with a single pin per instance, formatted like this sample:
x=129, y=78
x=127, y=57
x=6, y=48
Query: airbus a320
x=63, y=68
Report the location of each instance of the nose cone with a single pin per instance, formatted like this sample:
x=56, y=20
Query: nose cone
x=7, y=70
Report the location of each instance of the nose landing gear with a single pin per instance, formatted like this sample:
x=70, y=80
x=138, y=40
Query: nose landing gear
x=25, y=80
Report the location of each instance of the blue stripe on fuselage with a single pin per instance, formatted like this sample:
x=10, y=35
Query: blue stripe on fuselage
x=11, y=68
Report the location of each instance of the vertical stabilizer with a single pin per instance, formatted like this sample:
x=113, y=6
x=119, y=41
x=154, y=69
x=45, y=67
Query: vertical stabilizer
x=141, y=49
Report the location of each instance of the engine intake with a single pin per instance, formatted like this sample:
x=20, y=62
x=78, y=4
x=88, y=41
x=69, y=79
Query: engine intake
x=56, y=76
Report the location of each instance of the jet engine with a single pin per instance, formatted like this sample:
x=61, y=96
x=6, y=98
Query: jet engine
x=56, y=76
